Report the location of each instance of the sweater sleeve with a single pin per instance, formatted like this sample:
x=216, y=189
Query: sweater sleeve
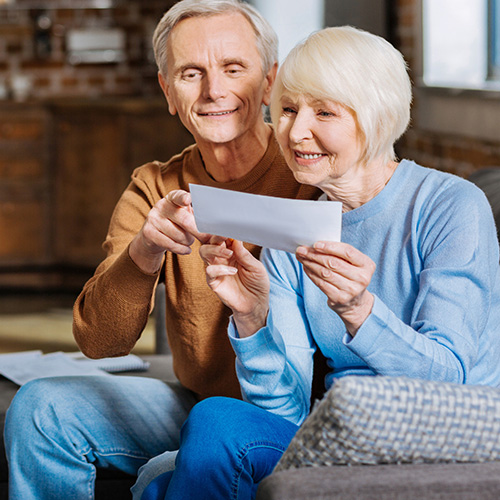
x=111, y=312
x=459, y=251
x=275, y=365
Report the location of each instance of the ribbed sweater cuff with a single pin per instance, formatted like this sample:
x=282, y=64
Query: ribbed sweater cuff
x=129, y=282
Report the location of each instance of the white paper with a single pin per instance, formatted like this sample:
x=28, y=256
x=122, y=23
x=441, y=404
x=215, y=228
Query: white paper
x=127, y=363
x=266, y=221
x=25, y=366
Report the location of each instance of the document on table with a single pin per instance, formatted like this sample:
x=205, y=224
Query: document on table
x=21, y=367
x=127, y=363
x=266, y=221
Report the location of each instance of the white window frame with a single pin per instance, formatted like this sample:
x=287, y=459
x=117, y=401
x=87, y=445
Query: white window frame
x=469, y=112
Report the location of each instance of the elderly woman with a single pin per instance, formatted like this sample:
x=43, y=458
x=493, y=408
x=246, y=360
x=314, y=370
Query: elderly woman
x=413, y=288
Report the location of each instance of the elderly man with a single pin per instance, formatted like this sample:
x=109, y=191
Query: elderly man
x=217, y=64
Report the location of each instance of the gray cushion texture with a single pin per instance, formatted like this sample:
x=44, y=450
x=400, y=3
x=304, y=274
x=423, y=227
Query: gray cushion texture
x=442, y=481
x=386, y=420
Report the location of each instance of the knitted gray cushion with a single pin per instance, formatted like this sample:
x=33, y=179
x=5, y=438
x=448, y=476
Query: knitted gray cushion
x=374, y=420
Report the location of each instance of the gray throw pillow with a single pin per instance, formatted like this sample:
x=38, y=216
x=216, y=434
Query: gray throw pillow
x=383, y=420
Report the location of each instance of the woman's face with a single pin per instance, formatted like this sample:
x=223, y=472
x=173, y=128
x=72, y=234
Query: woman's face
x=320, y=140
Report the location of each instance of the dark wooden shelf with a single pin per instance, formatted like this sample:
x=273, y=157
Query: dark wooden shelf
x=63, y=166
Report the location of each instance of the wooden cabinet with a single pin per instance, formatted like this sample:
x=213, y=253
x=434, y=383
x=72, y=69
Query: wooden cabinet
x=63, y=166
x=90, y=176
x=25, y=189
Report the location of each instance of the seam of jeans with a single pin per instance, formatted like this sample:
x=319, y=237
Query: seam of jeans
x=243, y=452
x=114, y=451
x=91, y=483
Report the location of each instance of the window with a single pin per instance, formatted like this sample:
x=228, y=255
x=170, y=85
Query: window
x=293, y=20
x=456, y=35
x=458, y=75
x=461, y=43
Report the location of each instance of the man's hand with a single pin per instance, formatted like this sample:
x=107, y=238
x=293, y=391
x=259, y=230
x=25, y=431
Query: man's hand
x=343, y=273
x=169, y=226
x=240, y=281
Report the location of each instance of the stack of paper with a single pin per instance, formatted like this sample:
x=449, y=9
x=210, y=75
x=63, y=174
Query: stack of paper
x=127, y=363
x=21, y=367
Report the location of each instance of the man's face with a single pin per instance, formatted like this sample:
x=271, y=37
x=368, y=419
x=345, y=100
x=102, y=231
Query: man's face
x=215, y=79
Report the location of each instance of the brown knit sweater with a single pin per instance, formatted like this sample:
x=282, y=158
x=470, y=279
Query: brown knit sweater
x=113, y=308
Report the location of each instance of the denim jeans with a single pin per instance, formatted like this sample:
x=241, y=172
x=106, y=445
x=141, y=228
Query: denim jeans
x=58, y=430
x=227, y=448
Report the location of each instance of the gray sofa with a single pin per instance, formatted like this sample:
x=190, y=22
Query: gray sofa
x=397, y=481
x=394, y=438
x=472, y=481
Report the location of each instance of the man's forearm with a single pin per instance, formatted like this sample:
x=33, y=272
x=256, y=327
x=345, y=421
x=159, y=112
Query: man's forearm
x=113, y=308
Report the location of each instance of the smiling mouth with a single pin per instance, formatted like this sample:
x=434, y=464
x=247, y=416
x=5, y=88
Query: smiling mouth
x=309, y=156
x=220, y=113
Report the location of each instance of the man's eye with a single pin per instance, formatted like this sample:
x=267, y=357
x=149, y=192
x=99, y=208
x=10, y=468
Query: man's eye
x=287, y=110
x=190, y=75
x=233, y=70
x=326, y=113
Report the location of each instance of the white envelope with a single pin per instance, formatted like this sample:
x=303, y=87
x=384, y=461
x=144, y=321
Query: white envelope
x=266, y=221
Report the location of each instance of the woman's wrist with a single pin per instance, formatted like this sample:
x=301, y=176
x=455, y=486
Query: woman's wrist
x=248, y=324
x=354, y=318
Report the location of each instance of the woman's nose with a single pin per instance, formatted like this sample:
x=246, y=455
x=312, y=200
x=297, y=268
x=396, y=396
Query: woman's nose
x=301, y=128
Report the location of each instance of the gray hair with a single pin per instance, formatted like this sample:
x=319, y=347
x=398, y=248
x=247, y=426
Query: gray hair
x=267, y=41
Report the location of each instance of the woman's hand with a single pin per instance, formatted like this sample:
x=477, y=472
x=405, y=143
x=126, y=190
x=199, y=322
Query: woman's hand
x=240, y=281
x=343, y=273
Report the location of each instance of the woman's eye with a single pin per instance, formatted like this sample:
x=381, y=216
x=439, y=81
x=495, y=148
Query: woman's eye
x=288, y=110
x=326, y=113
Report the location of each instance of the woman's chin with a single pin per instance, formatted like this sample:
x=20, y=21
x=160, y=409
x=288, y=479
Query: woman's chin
x=305, y=178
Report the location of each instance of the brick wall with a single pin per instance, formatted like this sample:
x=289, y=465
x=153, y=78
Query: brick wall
x=457, y=154
x=50, y=74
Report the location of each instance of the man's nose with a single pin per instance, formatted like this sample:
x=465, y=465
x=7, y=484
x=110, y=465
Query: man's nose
x=214, y=87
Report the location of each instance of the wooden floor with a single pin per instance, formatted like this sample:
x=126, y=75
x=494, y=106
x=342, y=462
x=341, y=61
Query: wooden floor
x=45, y=322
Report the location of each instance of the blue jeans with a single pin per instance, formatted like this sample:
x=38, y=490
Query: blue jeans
x=58, y=430
x=227, y=448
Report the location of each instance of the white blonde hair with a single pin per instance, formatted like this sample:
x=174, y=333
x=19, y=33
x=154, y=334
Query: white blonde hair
x=358, y=70
x=267, y=40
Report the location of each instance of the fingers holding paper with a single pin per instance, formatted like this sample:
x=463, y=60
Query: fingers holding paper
x=343, y=273
x=169, y=226
x=175, y=219
x=240, y=281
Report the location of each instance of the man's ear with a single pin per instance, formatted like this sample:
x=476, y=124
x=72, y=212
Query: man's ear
x=269, y=82
x=165, y=87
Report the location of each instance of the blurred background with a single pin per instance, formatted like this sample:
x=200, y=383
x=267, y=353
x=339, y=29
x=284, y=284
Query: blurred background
x=80, y=108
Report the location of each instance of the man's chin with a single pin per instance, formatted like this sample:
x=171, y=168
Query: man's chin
x=222, y=135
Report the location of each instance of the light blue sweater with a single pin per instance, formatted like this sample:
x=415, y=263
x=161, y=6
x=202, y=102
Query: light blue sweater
x=437, y=298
